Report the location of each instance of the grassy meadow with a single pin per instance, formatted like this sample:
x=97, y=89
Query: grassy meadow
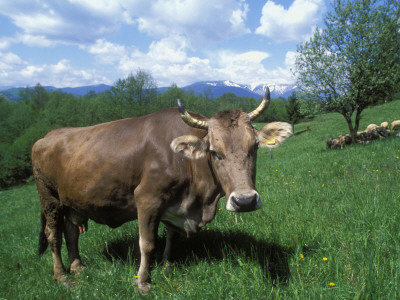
x=329, y=228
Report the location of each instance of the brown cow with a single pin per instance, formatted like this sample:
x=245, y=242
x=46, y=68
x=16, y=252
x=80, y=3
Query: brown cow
x=336, y=142
x=394, y=125
x=345, y=139
x=332, y=142
x=151, y=168
x=385, y=125
x=371, y=127
x=373, y=134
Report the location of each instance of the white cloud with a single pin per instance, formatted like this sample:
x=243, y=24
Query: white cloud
x=248, y=68
x=5, y=43
x=34, y=40
x=30, y=71
x=106, y=52
x=181, y=27
x=293, y=24
x=170, y=50
x=290, y=59
x=167, y=61
x=78, y=21
x=9, y=60
x=106, y=8
x=64, y=21
x=61, y=67
x=16, y=72
x=197, y=20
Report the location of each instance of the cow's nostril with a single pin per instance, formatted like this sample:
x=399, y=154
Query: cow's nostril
x=236, y=201
x=248, y=201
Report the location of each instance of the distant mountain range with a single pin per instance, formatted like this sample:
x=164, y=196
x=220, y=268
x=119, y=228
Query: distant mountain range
x=212, y=89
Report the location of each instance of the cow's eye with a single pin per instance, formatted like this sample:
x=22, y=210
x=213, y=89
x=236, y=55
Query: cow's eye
x=215, y=154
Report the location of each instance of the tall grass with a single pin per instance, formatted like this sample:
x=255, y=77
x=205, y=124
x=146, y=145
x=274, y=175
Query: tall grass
x=328, y=229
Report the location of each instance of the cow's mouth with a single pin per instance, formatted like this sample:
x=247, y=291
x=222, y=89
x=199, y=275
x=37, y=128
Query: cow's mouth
x=243, y=202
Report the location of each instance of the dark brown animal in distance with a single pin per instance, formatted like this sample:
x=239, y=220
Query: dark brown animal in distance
x=171, y=166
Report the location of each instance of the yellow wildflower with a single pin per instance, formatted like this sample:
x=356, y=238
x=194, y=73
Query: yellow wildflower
x=301, y=255
x=332, y=284
x=325, y=258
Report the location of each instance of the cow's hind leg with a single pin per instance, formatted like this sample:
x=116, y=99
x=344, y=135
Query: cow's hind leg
x=54, y=236
x=53, y=231
x=168, y=245
x=52, y=219
x=74, y=225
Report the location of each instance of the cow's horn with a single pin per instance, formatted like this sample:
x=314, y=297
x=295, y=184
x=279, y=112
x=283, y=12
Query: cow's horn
x=263, y=105
x=193, y=122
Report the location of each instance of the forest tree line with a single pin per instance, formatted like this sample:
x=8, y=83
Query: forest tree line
x=24, y=122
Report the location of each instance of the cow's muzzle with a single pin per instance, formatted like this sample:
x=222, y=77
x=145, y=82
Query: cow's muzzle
x=243, y=202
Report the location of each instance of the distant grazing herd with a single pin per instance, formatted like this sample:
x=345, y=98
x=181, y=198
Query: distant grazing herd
x=372, y=132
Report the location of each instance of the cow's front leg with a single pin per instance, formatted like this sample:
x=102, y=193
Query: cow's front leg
x=148, y=225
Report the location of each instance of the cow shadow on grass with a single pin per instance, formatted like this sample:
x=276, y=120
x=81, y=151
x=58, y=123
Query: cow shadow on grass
x=212, y=245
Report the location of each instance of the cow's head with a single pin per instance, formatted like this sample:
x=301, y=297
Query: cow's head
x=231, y=144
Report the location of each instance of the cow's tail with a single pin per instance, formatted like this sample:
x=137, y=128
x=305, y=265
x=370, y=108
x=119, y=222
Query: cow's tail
x=43, y=242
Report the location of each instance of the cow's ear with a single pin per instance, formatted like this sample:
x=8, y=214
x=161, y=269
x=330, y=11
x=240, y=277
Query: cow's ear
x=190, y=146
x=273, y=134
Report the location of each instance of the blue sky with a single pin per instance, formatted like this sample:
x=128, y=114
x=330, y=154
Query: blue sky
x=86, y=42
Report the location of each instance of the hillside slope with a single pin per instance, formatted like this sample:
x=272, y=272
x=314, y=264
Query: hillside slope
x=333, y=124
x=328, y=229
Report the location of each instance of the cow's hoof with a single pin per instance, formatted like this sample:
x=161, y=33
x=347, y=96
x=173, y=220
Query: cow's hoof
x=143, y=288
x=64, y=280
x=168, y=267
x=76, y=267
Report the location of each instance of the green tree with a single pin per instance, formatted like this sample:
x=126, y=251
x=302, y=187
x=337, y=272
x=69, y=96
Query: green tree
x=36, y=96
x=131, y=96
x=293, y=109
x=5, y=111
x=3, y=99
x=168, y=99
x=354, y=60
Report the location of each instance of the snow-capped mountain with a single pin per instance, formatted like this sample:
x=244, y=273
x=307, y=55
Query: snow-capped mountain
x=216, y=89
x=279, y=90
x=256, y=90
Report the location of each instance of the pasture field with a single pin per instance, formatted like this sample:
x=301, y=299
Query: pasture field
x=329, y=228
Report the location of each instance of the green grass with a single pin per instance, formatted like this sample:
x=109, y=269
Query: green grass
x=342, y=205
